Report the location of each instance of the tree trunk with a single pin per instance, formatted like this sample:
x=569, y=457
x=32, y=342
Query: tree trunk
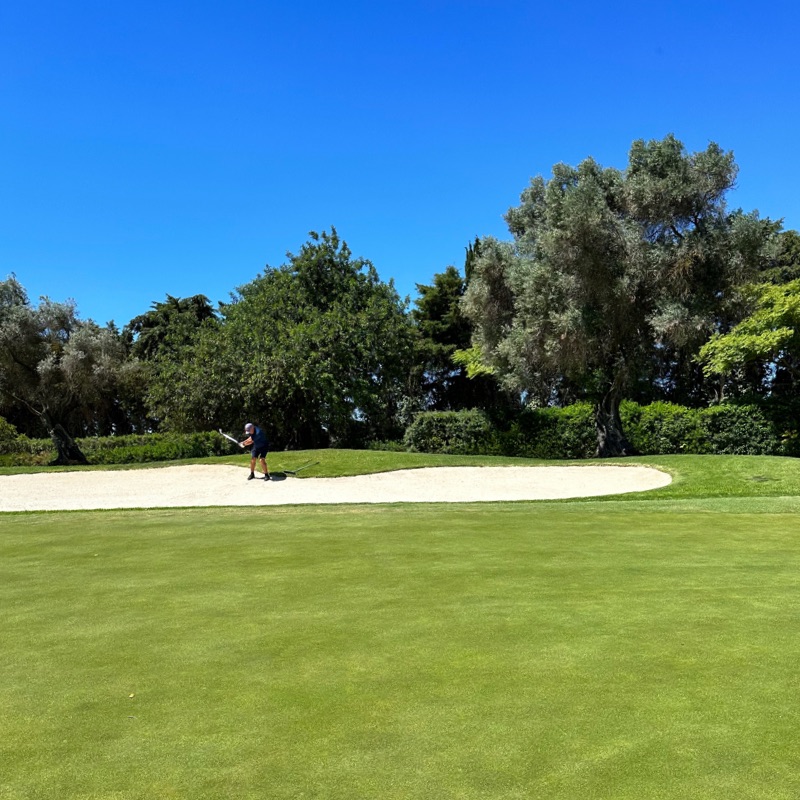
x=611, y=439
x=67, y=451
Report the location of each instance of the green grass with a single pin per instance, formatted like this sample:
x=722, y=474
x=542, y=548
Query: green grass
x=632, y=647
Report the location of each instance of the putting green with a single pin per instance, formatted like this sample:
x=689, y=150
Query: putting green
x=591, y=650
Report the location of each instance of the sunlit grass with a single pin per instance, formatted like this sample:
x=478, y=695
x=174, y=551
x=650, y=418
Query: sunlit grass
x=632, y=647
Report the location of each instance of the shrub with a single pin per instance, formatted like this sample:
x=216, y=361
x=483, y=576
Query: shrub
x=783, y=414
x=131, y=449
x=560, y=433
x=738, y=430
x=153, y=447
x=450, y=432
x=567, y=432
x=661, y=428
x=8, y=436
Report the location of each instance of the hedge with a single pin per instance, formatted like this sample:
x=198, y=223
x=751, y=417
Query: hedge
x=129, y=449
x=569, y=433
x=662, y=428
x=551, y=433
x=739, y=430
x=450, y=432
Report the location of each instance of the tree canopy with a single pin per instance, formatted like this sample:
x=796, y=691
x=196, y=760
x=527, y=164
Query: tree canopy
x=61, y=372
x=607, y=268
x=637, y=283
x=317, y=350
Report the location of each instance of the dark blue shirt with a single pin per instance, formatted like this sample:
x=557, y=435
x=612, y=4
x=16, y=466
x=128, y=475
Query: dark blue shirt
x=259, y=439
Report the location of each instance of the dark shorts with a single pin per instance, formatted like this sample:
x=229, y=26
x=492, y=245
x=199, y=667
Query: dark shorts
x=259, y=451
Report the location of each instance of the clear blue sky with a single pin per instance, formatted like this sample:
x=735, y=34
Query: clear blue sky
x=156, y=148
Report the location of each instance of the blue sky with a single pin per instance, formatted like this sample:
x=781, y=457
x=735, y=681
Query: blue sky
x=156, y=148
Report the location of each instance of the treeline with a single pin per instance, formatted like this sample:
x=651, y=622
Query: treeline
x=635, y=285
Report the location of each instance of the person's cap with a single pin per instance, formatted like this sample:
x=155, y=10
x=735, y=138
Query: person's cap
x=249, y=426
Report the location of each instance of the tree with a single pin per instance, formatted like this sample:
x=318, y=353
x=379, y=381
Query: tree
x=784, y=266
x=444, y=332
x=168, y=325
x=61, y=370
x=608, y=267
x=770, y=333
x=317, y=350
x=162, y=341
x=442, y=329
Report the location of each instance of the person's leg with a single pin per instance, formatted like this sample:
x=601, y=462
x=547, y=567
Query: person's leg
x=264, y=468
x=252, y=468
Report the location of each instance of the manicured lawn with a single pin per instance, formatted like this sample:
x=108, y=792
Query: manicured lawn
x=604, y=649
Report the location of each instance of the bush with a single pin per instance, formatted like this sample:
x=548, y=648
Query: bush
x=783, y=413
x=567, y=432
x=132, y=449
x=738, y=431
x=450, y=432
x=8, y=436
x=19, y=450
x=661, y=428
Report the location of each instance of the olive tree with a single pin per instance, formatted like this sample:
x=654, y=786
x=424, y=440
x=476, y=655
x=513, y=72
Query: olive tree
x=60, y=370
x=607, y=267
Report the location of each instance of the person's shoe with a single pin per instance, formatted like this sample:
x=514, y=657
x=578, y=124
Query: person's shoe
x=266, y=477
x=250, y=476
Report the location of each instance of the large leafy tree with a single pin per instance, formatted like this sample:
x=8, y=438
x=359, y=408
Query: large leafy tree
x=443, y=332
x=785, y=264
x=58, y=373
x=768, y=338
x=162, y=341
x=442, y=329
x=608, y=267
x=317, y=350
x=167, y=326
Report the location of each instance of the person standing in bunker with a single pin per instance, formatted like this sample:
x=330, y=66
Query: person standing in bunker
x=259, y=447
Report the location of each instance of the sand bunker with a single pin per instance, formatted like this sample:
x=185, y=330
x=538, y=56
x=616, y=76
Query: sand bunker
x=205, y=485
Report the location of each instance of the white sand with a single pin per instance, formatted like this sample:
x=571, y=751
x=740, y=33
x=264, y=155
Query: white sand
x=205, y=485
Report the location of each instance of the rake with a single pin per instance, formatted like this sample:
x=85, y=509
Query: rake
x=299, y=469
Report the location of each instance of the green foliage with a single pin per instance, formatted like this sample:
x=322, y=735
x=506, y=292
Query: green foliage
x=770, y=331
x=738, y=430
x=8, y=435
x=167, y=326
x=664, y=428
x=471, y=361
x=567, y=432
x=447, y=375
x=450, y=432
x=131, y=449
x=608, y=271
x=388, y=446
x=154, y=447
x=162, y=341
x=308, y=349
x=441, y=329
x=55, y=369
x=785, y=265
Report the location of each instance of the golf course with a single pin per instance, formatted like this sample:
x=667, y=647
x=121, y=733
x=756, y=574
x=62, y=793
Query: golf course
x=641, y=645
